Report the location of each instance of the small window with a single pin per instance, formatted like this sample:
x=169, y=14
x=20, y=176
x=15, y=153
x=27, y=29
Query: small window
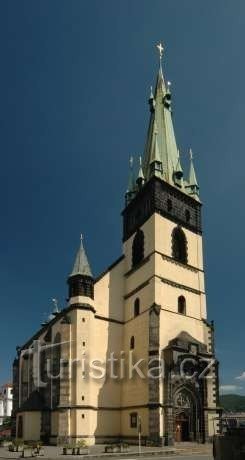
x=136, y=307
x=169, y=205
x=83, y=416
x=187, y=215
x=83, y=320
x=182, y=305
x=133, y=420
x=132, y=343
x=84, y=344
x=82, y=398
x=138, y=248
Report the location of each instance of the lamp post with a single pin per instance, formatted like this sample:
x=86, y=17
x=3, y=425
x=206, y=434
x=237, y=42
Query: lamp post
x=139, y=432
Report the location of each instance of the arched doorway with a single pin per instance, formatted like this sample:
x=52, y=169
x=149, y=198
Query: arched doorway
x=185, y=416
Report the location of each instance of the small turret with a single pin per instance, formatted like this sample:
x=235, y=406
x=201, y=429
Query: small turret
x=192, y=186
x=140, y=179
x=155, y=160
x=81, y=281
x=178, y=173
x=131, y=190
x=151, y=101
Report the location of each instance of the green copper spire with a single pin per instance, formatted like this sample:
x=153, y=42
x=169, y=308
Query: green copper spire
x=161, y=117
x=81, y=266
x=192, y=186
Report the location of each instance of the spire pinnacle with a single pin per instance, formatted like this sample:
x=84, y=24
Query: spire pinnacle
x=192, y=187
x=55, y=304
x=141, y=178
x=131, y=181
x=131, y=190
x=155, y=159
x=81, y=266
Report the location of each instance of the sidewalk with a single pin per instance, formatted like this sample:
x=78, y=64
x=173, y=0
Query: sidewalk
x=98, y=451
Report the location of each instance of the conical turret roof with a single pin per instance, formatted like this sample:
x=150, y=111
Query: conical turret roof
x=81, y=265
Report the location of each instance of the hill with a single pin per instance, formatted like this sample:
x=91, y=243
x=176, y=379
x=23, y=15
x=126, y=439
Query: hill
x=233, y=403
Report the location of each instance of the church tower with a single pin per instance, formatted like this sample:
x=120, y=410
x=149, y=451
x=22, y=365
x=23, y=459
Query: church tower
x=165, y=300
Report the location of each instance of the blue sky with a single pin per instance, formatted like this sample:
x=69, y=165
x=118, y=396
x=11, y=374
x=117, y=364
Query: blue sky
x=74, y=85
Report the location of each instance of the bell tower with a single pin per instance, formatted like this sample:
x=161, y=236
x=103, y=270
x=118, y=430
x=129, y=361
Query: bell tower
x=162, y=235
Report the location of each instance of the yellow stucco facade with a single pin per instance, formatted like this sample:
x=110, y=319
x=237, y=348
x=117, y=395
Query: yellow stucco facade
x=97, y=407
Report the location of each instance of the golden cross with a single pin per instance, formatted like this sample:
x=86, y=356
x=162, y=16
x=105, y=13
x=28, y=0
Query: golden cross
x=161, y=49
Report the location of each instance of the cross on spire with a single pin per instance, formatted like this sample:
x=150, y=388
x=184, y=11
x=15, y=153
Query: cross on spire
x=160, y=49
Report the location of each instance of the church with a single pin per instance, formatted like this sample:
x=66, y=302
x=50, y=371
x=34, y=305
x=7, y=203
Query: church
x=132, y=351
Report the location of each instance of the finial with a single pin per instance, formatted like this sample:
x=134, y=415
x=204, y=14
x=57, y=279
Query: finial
x=151, y=94
x=140, y=179
x=55, y=302
x=81, y=237
x=191, y=154
x=131, y=162
x=160, y=49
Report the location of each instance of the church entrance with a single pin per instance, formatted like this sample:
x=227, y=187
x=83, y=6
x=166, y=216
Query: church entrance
x=182, y=428
x=185, y=417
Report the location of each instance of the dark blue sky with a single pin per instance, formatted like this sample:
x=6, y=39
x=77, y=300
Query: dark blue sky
x=74, y=85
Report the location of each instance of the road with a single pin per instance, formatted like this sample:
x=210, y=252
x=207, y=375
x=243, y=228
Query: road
x=176, y=457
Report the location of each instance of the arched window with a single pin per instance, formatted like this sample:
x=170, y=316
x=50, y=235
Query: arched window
x=133, y=420
x=132, y=343
x=179, y=245
x=182, y=305
x=136, y=307
x=138, y=248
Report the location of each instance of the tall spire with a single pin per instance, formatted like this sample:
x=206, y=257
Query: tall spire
x=192, y=186
x=81, y=266
x=161, y=117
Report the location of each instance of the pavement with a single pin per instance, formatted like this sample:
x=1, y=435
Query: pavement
x=179, y=451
